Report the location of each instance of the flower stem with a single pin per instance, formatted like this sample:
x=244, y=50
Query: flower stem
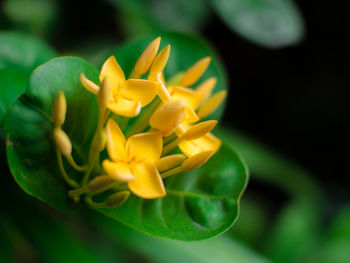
x=65, y=176
x=93, y=204
x=167, y=148
x=75, y=165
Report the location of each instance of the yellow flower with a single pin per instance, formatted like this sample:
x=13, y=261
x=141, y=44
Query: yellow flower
x=128, y=96
x=134, y=161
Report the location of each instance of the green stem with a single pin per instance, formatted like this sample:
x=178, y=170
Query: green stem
x=78, y=191
x=66, y=178
x=124, y=122
x=93, y=204
x=75, y=165
x=94, y=147
x=167, y=148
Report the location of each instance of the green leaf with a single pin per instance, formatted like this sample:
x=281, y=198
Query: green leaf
x=199, y=204
x=28, y=124
x=269, y=23
x=185, y=51
x=219, y=249
x=19, y=55
x=139, y=17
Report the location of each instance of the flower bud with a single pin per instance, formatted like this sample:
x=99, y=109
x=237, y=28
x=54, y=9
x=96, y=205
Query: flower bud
x=206, y=88
x=147, y=57
x=170, y=162
x=99, y=182
x=195, y=72
x=160, y=61
x=62, y=141
x=168, y=116
x=196, y=160
x=117, y=199
x=212, y=104
x=198, y=130
x=60, y=109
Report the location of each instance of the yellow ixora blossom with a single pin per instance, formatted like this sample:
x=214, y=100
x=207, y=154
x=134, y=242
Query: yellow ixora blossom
x=138, y=152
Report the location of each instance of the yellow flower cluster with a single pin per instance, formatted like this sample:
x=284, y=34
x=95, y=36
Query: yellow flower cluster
x=167, y=137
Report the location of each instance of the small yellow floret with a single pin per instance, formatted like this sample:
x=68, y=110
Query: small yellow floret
x=159, y=63
x=147, y=57
x=60, y=109
x=195, y=72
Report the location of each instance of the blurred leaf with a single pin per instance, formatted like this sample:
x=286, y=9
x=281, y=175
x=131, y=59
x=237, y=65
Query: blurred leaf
x=219, y=249
x=269, y=23
x=35, y=16
x=19, y=55
x=28, y=124
x=336, y=246
x=140, y=17
x=199, y=204
x=185, y=51
x=54, y=242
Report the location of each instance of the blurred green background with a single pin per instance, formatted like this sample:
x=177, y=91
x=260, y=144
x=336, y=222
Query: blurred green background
x=287, y=115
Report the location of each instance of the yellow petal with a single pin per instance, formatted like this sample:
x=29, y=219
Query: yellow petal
x=118, y=171
x=147, y=57
x=125, y=107
x=145, y=146
x=163, y=92
x=115, y=141
x=105, y=94
x=88, y=84
x=190, y=115
x=207, y=142
x=195, y=72
x=211, y=105
x=160, y=61
x=191, y=97
x=198, y=130
x=113, y=71
x=147, y=183
x=140, y=90
x=168, y=116
x=206, y=88
x=196, y=160
x=169, y=162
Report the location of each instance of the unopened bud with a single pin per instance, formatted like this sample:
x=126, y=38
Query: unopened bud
x=206, y=88
x=117, y=199
x=160, y=61
x=198, y=130
x=211, y=105
x=99, y=182
x=105, y=94
x=196, y=160
x=195, y=72
x=59, y=109
x=168, y=116
x=62, y=141
x=147, y=57
x=170, y=162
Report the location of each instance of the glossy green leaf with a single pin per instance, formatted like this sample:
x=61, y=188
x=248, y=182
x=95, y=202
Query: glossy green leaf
x=269, y=23
x=139, y=17
x=19, y=55
x=185, y=51
x=219, y=249
x=199, y=204
x=28, y=125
